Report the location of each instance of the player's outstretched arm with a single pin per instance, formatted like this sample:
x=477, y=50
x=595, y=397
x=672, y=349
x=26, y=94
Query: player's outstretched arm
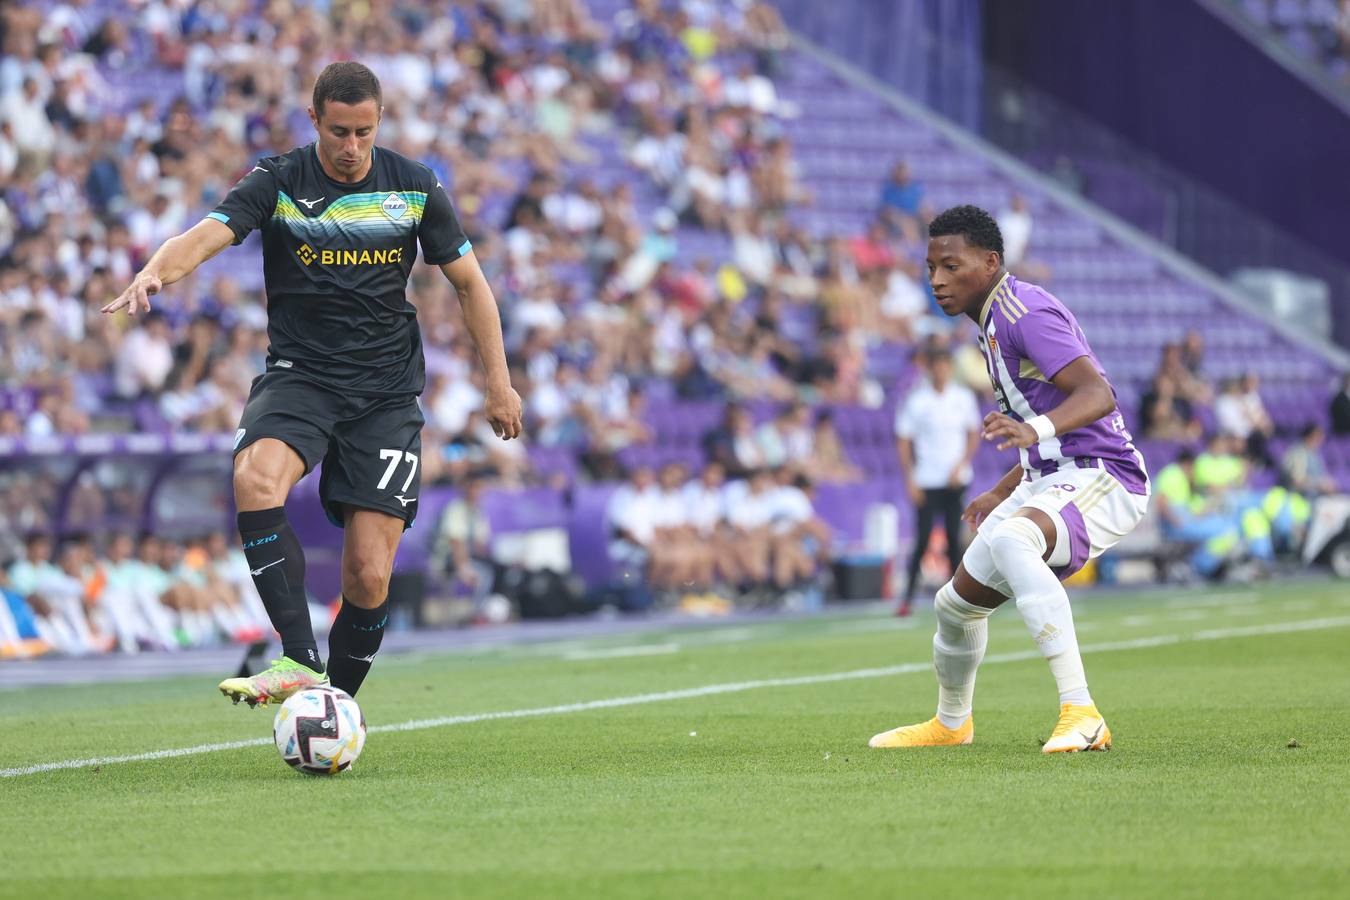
x=502, y=404
x=174, y=260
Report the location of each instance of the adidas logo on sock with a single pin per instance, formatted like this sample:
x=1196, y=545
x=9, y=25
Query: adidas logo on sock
x=1047, y=634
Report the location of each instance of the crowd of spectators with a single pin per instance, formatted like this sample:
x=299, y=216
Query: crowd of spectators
x=510, y=103
x=120, y=130
x=1229, y=494
x=121, y=127
x=705, y=540
x=130, y=594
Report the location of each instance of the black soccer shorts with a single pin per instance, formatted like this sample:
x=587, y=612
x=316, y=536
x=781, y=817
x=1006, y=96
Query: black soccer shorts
x=371, y=448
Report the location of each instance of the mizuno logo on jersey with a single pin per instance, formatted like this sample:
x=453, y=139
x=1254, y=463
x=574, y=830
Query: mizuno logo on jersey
x=309, y=204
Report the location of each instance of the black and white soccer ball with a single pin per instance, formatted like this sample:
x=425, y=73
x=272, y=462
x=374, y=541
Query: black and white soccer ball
x=320, y=731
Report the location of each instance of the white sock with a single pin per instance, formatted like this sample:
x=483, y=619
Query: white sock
x=958, y=646
x=1017, y=547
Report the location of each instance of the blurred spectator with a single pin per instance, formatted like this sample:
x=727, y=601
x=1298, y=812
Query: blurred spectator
x=1209, y=535
x=1016, y=225
x=937, y=432
x=872, y=250
x=829, y=462
x=1165, y=415
x=1303, y=469
x=1189, y=384
x=1340, y=409
x=31, y=129
x=630, y=518
x=903, y=304
x=144, y=358
x=1193, y=352
x=902, y=207
x=1239, y=413
x=750, y=509
x=462, y=550
x=785, y=440
x=752, y=250
x=451, y=400
x=704, y=500
x=18, y=628
x=800, y=540
x=1222, y=476
x=1168, y=410
x=732, y=445
x=684, y=565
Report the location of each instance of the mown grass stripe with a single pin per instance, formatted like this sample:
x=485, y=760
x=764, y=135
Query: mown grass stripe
x=710, y=690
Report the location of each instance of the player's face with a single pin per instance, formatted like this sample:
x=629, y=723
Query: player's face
x=960, y=274
x=346, y=137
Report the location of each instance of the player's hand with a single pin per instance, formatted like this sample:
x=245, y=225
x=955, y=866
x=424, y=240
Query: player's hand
x=502, y=409
x=915, y=494
x=1008, y=432
x=980, y=508
x=137, y=295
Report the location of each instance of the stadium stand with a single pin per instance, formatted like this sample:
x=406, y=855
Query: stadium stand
x=1317, y=31
x=675, y=209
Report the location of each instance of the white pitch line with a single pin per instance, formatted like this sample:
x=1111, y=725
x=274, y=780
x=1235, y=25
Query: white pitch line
x=620, y=652
x=734, y=687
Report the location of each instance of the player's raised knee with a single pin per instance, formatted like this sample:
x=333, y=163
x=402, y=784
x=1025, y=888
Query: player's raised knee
x=1013, y=539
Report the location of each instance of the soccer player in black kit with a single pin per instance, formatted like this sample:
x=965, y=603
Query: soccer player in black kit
x=341, y=220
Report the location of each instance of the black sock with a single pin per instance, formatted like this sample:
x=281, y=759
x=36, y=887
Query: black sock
x=277, y=564
x=353, y=642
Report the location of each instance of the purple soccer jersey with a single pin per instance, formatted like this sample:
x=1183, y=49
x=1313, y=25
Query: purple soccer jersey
x=1027, y=337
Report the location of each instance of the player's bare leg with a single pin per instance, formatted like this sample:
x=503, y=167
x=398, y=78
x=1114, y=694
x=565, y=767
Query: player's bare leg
x=1020, y=545
x=264, y=473
x=368, y=546
x=725, y=561
x=963, y=606
x=791, y=562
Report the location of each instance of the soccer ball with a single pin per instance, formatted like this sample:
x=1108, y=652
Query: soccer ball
x=319, y=731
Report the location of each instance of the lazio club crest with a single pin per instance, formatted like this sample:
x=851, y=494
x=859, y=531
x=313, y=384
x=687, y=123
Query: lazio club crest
x=394, y=206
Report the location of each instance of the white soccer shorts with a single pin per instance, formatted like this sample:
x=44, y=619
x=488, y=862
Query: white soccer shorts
x=1091, y=511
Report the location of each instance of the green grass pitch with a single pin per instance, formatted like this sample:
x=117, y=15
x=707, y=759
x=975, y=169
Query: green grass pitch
x=747, y=789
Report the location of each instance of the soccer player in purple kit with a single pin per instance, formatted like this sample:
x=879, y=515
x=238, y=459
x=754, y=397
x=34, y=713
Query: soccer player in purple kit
x=1078, y=488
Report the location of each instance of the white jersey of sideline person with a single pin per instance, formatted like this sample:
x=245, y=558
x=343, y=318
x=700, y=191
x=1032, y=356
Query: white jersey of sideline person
x=747, y=510
x=704, y=507
x=791, y=508
x=938, y=424
x=635, y=512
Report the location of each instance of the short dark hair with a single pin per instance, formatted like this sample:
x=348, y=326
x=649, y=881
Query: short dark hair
x=972, y=223
x=346, y=82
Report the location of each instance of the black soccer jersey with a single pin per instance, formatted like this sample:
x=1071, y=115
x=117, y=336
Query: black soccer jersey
x=336, y=259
